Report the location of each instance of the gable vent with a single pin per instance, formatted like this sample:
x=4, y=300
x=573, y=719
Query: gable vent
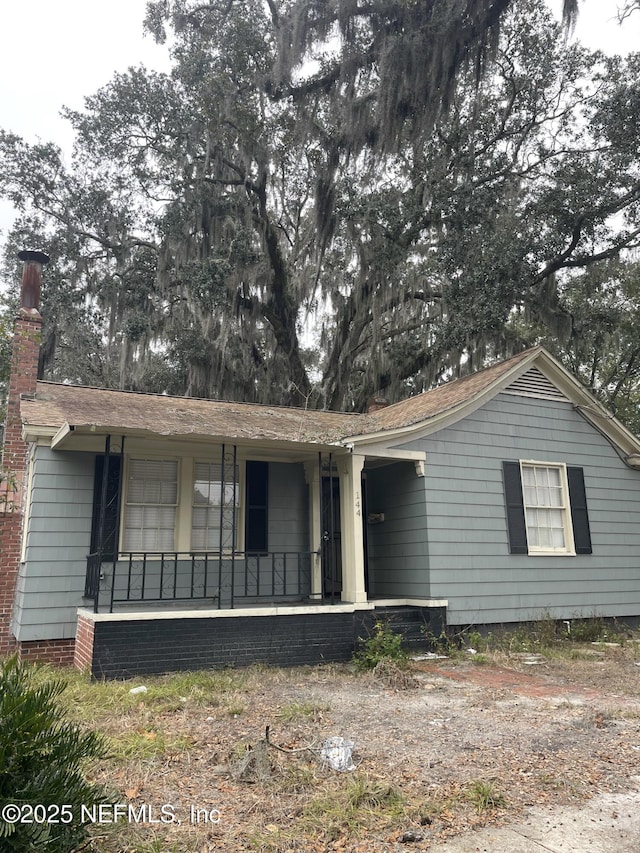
x=533, y=383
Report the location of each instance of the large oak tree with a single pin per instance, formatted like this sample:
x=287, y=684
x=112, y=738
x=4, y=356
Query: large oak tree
x=325, y=200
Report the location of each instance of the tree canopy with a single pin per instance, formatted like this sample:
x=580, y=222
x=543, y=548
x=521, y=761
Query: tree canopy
x=323, y=201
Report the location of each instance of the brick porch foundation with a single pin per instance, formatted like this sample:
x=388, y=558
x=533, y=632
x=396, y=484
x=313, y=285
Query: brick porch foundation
x=126, y=645
x=83, y=652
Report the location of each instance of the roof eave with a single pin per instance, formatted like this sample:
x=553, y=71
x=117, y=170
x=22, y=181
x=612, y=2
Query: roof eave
x=453, y=413
x=627, y=444
x=64, y=438
x=31, y=433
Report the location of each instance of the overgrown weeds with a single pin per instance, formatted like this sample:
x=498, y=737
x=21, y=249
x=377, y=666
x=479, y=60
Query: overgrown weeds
x=546, y=636
x=383, y=644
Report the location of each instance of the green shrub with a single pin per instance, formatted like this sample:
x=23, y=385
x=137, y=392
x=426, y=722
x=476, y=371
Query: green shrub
x=383, y=644
x=588, y=630
x=41, y=764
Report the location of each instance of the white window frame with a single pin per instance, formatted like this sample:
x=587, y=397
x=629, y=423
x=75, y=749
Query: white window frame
x=239, y=509
x=184, y=507
x=126, y=503
x=568, y=549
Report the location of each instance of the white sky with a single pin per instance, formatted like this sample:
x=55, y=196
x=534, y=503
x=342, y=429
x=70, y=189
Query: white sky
x=54, y=52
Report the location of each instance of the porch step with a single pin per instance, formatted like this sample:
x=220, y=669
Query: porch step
x=410, y=622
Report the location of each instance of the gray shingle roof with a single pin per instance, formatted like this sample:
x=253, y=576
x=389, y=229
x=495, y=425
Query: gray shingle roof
x=56, y=405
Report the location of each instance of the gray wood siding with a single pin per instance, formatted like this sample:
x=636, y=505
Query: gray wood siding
x=397, y=547
x=288, y=508
x=469, y=560
x=51, y=579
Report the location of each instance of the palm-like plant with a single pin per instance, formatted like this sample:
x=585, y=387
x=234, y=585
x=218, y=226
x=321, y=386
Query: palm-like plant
x=41, y=763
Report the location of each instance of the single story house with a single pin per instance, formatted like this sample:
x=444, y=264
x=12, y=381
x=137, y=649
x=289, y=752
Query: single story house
x=150, y=533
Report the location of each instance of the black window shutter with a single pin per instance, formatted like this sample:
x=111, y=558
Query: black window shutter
x=515, y=508
x=110, y=532
x=579, y=514
x=256, y=507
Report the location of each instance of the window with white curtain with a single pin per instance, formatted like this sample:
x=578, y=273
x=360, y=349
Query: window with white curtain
x=214, y=518
x=546, y=507
x=150, y=509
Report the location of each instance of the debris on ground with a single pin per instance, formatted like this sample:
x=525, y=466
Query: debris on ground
x=555, y=734
x=394, y=676
x=337, y=753
x=253, y=765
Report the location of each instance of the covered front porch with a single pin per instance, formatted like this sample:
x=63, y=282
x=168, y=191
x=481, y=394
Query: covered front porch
x=312, y=548
x=194, y=532
x=238, y=526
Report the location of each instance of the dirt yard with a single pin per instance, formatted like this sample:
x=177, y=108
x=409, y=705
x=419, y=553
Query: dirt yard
x=452, y=744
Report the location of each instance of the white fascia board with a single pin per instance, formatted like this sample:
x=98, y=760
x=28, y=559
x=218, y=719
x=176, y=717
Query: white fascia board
x=382, y=452
x=31, y=433
x=60, y=438
x=76, y=436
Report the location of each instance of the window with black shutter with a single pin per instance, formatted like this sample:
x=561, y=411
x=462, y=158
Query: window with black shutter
x=257, y=489
x=546, y=507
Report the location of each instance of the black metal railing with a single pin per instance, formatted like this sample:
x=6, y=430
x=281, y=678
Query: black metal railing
x=92, y=579
x=219, y=578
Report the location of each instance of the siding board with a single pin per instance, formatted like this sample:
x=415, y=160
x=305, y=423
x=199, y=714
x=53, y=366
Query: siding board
x=51, y=580
x=469, y=560
x=398, y=547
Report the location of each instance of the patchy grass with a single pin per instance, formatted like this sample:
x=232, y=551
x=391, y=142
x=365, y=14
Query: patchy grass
x=93, y=701
x=300, y=710
x=484, y=795
x=347, y=811
x=144, y=743
x=178, y=742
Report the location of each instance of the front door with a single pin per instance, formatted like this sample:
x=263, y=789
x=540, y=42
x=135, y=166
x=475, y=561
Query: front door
x=331, y=538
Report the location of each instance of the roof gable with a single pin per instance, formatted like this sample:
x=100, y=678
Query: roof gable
x=533, y=372
x=533, y=383
x=446, y=397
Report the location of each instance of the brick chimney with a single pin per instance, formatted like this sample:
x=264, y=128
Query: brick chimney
x=24, y=366
x=377, y=402
x=22, y=381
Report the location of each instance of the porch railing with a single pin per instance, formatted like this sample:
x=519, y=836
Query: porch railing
x=92, y=579
x=222, y=579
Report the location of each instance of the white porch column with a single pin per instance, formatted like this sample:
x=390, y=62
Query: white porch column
x=312, y=478
x=350, y=473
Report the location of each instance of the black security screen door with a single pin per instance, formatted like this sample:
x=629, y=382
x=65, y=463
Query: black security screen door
x=110, y=531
